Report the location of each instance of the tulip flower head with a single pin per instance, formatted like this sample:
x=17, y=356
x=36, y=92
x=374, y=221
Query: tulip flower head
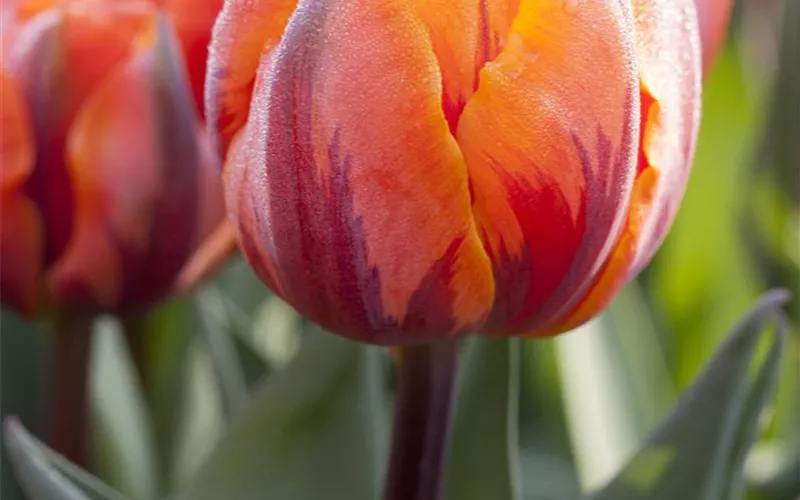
x=406, y=170
x=106, y=178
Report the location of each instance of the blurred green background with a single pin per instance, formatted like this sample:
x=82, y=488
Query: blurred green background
x=225, y=391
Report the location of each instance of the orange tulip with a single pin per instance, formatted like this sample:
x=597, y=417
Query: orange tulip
x=406, y=170
x=107, y=184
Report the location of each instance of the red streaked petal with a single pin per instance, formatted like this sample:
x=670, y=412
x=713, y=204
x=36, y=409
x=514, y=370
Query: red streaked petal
x=617, y=269
x=669, y=70
x=135, y=161
x=549, y=138
x=346, y=175
x=20, y=228
x=465, y=35
x=245, y=31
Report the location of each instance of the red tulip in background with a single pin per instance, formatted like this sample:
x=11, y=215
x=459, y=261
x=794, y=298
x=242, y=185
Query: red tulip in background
x=401, y=171
x=107, y=187
x=714, y=16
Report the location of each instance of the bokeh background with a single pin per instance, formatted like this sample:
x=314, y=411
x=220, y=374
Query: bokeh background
x=586, y=400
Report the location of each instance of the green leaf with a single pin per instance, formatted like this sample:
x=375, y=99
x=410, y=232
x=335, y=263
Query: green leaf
x=242, y=287
x=217, y=332
x=313, y=430
x=122, y=428
x=616, y=385
x=254, y=367
x=696, y=452
x=44, y=475
x=168, y=341
x=759, y=396
x=484, y=459
x=22, y=356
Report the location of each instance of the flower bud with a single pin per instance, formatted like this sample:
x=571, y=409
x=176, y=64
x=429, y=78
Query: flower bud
x=405, y=170
x=108, y=187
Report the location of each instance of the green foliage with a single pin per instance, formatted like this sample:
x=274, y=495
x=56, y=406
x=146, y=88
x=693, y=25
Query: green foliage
x=45, y=475
x=312, y=431
x=698, y=450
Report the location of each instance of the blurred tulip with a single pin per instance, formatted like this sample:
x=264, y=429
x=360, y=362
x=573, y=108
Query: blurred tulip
x=406, y=170
x=714, y=16
x=108, y=188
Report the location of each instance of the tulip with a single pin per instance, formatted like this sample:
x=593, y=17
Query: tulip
x=108, y=188
x=405, y=171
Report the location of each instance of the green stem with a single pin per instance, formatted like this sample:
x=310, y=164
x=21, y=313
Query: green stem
x=71, y=352
x=423, y=418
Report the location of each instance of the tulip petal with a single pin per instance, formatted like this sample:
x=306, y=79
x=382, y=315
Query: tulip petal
x=60, y=53
x=135, y=161
x=465, y=35
x=20, y=228
x=668, y=52
x=549, y=139
x=192, y=20
x=347, y=179
x=245, y=31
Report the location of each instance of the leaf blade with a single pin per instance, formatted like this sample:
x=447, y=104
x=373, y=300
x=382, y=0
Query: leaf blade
x=676, y=461
x=309, y=433
x=44, y=475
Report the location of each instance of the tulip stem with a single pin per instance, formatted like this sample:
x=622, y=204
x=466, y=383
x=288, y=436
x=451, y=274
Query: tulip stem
x=68, y=416
x=422, y=422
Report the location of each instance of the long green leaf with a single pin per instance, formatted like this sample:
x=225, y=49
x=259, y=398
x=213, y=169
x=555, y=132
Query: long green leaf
x=168, y=339
x=732, y=486
x=218, y=333
x=484, y=459
x=694, y=453
x=616, y=385
x=313, y=430
x=44, y=475
x=122, y=428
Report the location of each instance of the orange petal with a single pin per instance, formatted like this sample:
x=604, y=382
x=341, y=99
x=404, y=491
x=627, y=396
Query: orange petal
x=346, y=176
x=245, y=31
x=20, y=227
x=136, y=165
x=465, y=35
x=669, y=71
x=549, y=138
